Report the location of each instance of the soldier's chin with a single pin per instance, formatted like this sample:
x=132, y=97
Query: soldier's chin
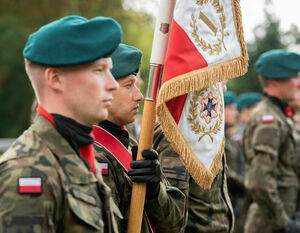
x=129, y=121
x=102, y=116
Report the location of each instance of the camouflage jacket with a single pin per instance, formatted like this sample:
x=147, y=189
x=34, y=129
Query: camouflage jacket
x=235, y=170
x=235, y=181
x=72, y=199
x=208, y=210
x=272, y=177
x=166, y=212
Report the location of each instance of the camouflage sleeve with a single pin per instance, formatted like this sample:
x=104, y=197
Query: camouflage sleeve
x=261, y=177
x=108, y=172
x=28, y=199
x=235, y=165
x=173, y=168
x=266, y=139
x=234, y=180
x=168, y=210
x=171, y=207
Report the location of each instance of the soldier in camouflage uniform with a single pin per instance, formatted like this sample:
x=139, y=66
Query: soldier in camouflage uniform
x=208, y=210
x=164, y=205
x=235, y=163
x=270, y=147
x=49, y=181
x=245, y=104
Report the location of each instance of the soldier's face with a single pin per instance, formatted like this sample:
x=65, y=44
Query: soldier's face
x=88, y=91
x=289, y=88
x=125, y=104
x=230, y=115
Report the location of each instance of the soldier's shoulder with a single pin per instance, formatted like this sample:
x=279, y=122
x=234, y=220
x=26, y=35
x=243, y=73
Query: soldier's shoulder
x=100, y=151
x=28, y=152
x=266, y=115
x=106, y=160
x=160, y=141
x=28, y=161
x=27, y=145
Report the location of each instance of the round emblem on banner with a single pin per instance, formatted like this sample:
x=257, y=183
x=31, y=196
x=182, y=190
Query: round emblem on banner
x=211, y=16
x=206, y=112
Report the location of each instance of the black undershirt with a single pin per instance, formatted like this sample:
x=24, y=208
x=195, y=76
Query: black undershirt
x=117, y=131
x=76, y=134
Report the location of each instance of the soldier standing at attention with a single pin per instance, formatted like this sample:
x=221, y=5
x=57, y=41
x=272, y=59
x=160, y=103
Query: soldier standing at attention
x=164, y=205
x=269, y=146
x=49, y=181
x=209, y=210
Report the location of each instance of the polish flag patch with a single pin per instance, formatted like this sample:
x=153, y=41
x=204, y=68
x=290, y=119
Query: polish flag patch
x=104, y=168
x=30, y=185
x=267, y=118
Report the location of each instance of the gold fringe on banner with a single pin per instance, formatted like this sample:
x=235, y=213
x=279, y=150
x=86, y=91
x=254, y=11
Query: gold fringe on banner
x=193, y=81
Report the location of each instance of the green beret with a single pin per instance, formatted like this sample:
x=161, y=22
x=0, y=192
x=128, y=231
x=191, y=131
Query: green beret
x=73, y=40
x=278, y=64
x=126, y=60
x=247, y=100
x=229, y=97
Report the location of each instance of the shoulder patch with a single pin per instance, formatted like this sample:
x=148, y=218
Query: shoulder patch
x=29, y=185
x=104, y=168
x=267, y=118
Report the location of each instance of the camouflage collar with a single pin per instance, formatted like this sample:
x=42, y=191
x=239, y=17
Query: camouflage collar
x=72, y=164
x=278, y=111
x=282, y=105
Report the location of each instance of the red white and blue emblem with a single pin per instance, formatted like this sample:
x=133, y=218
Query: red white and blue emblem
x=209, y=109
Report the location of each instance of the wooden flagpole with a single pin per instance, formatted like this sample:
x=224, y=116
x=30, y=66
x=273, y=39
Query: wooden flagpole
x=159, y=48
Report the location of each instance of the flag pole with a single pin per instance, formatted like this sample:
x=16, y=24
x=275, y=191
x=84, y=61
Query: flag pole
x=159, y=48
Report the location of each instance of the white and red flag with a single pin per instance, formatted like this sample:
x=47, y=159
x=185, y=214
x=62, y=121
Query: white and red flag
x=30, y=184
x=206, y=46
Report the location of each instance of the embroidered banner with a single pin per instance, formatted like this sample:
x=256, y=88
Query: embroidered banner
x=206, y=46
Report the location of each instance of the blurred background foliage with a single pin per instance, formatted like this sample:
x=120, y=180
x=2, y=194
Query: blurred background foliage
x=19, y=18
x=267, y=36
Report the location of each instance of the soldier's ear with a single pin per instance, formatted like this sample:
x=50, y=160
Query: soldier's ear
x=53, y=79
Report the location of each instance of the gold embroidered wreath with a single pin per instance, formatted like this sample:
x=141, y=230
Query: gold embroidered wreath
x=215, y=48
x=195, y=124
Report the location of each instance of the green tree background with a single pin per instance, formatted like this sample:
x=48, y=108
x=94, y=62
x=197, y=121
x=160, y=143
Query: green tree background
x=267, y=36
x=19, y=18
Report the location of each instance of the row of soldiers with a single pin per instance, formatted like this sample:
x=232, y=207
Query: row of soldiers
x=73, y=169
x=262, y=147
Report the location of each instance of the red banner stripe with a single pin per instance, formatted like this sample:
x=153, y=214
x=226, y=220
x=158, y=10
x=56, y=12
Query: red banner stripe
x=180, y=59
x=30, y=189
x=182, y=55
x=175, y=107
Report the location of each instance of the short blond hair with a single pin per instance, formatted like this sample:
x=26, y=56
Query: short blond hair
x=35, y=74
x=264, y=82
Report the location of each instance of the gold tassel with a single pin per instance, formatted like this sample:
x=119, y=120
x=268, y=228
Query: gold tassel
x=193, y=81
